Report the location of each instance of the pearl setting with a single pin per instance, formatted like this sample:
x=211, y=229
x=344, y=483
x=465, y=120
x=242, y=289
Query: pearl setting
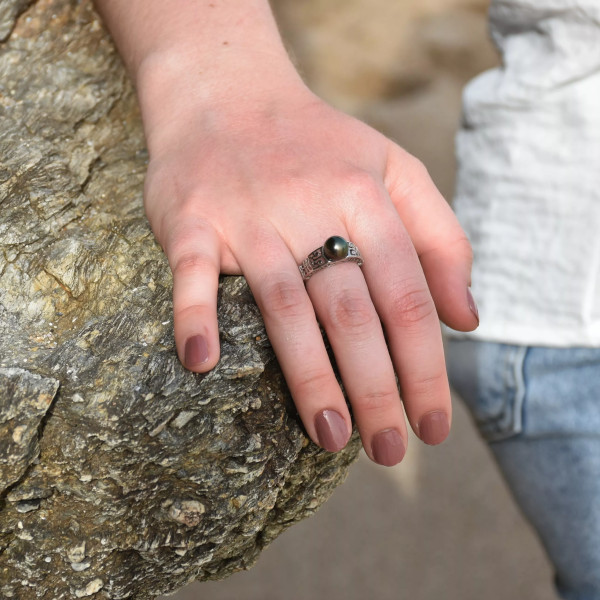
x=335, y=248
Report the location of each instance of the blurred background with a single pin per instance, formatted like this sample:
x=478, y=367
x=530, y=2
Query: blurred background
x=442, y=524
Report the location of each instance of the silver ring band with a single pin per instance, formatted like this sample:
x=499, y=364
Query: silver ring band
x=335, y=250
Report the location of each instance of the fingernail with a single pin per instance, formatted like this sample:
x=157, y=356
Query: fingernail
x=434, y=427
x=472, y=304
x=332, y=431
x=388, y=447
x=196, y=351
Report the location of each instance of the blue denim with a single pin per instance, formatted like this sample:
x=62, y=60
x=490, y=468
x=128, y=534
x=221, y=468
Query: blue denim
x=539, y=409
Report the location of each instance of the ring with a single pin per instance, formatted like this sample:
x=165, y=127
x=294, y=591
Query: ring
x=335, y=250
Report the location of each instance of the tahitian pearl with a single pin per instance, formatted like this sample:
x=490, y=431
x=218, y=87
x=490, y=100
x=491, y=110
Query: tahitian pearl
x=335, y=248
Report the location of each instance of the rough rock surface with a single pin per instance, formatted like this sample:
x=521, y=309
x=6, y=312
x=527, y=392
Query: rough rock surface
x=122, y=475
x=9, y=10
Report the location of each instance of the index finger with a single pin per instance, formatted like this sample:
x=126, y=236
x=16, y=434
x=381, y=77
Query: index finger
x=441, y=244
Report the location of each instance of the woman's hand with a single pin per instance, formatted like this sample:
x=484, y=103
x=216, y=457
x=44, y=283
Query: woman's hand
x=253, y=190
x=248, y=174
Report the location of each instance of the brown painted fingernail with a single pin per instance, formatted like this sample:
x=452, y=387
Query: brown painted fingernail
x=332, y=431
x=196, y=351
x=388, y=447
x=472, y=304
x=434, y=427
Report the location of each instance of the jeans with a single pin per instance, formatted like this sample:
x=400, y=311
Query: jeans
x=539, y=410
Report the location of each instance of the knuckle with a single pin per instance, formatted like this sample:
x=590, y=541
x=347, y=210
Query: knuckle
x=417, y=169
x=378, y=401
x=284, y=298
x=352, y=310
x=185, y=228
x=411, y=307
x=416, y=177
x=192, y=262
x=184, y=225
x=462, y=248
x=196, y=309
x=363, y=187
x=426, y=388
x=313, y=382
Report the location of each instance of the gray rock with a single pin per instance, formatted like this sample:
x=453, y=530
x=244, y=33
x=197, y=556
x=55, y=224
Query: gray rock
x=122, y=475
x=26, y=400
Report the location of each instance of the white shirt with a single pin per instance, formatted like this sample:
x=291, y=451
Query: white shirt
x=528, y=190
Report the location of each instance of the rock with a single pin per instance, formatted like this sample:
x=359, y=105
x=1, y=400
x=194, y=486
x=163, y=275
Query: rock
x=9, y=11
x=26, y=399
x=76, y=554
x=122, y=475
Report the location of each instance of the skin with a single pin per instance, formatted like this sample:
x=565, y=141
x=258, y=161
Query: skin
x=249, y=172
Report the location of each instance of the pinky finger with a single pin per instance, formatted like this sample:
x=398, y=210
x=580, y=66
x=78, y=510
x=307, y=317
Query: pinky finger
x=193, y=253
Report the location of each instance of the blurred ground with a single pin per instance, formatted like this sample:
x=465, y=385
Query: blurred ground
x=441, y=525
x=400, y=65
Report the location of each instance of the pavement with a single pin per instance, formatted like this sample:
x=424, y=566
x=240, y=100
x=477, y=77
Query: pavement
x=441, y=525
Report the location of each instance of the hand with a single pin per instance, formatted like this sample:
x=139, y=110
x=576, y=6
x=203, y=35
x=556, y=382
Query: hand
x=253, y=186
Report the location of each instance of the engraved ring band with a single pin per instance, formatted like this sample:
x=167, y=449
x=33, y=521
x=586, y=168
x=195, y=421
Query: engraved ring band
x=335, y=250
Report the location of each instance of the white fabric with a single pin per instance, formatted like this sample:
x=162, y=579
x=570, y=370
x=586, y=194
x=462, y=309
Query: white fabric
x=528, y=192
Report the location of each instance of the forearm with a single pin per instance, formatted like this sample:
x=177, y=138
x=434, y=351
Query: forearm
x=216, y=34
x=211, y=52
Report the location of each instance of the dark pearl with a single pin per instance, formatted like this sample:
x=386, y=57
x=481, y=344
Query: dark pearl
x=335, y=248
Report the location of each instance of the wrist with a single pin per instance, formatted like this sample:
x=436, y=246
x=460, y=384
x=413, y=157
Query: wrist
x=177, y=84
x=188, y=59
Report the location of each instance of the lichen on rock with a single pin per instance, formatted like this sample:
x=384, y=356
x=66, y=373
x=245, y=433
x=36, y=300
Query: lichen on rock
x=122, y=475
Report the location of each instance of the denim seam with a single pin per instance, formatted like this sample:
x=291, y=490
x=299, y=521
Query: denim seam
x=520, y=388
x=514, y=391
